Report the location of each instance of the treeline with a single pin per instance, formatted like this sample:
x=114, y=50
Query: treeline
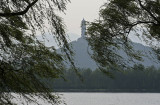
x=136, y=79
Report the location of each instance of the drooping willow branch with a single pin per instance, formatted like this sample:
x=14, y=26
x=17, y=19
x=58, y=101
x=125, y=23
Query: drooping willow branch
x=21, y=12
x=150, y=13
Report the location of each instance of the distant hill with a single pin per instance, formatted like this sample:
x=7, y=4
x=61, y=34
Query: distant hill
x=83, y=59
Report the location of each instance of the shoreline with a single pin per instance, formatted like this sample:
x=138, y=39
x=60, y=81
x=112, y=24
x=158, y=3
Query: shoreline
x=109, y=90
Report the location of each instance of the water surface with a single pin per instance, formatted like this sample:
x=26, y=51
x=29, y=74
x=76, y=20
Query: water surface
x=111, y=98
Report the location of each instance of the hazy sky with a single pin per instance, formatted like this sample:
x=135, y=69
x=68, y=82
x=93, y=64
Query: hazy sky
x=76, y=11
x=79, y=9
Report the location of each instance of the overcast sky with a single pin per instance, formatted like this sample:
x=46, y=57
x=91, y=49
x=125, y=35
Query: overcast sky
x=76, y=11
x=79, y=9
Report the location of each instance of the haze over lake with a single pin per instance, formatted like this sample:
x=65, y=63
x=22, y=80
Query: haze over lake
x=111, y=98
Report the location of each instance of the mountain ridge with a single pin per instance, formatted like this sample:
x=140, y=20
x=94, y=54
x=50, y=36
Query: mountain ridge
x=82, y=58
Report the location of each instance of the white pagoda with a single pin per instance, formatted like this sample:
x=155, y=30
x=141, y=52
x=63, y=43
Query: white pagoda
x=83, y=28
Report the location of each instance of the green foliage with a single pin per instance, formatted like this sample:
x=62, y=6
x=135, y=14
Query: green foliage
x=24, y=60
x=157, y=50
x=118, y=18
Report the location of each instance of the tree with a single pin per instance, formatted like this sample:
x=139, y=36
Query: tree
x=118, y=18
x=24, y=60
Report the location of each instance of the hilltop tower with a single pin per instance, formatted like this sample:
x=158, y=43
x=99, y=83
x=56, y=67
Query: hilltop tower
x=83, y=28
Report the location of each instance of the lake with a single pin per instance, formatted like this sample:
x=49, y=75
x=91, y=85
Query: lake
x=111, y=98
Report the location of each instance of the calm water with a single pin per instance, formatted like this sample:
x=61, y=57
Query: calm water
x=111, y=98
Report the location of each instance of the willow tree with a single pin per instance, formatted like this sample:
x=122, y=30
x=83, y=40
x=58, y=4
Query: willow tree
x=24, y=60
x=117, y=20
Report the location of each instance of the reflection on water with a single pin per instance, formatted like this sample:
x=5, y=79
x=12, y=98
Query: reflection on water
x=111, y=98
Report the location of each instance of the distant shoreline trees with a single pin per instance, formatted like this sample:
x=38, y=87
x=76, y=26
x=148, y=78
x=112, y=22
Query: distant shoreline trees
x=136, y=79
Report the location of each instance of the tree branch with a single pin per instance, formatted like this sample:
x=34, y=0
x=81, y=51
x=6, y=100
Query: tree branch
x=143, y=22
x=140, y=3
x=19, y=13
x=139, y=22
